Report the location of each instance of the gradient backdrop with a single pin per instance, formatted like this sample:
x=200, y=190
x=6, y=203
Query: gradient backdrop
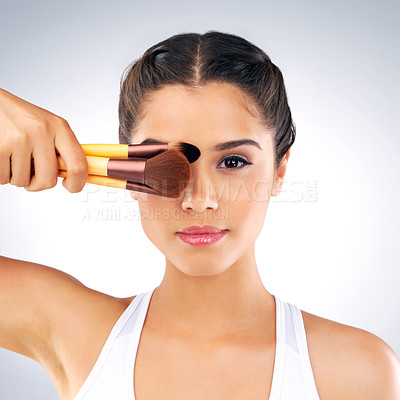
x=331, y=238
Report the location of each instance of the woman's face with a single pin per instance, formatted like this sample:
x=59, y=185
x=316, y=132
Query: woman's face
x=223, y=192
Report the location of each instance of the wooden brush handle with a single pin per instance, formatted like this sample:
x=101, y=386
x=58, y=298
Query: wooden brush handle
x=117, y=183
x=100, y=180
x=97, y=165
x=138, y=150
x=106, y=150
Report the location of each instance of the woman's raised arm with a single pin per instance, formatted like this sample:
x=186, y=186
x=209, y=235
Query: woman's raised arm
x=32, y=295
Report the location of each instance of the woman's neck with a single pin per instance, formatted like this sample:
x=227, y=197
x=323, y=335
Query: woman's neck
x=234, y=302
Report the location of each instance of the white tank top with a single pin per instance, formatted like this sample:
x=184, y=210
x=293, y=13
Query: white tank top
x=112, y=375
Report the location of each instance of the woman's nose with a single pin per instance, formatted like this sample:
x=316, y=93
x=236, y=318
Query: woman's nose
x=199, y=194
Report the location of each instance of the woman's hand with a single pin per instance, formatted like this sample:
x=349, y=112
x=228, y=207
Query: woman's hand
x=30, y=132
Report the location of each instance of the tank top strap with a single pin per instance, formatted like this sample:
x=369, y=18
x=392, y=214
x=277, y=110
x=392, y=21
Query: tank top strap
x=116, y=331
x=129, y=390
x=292, y=376
x=301, y=341
x=280, y=350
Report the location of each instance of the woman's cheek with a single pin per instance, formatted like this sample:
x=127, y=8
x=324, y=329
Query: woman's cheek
x=254, y=207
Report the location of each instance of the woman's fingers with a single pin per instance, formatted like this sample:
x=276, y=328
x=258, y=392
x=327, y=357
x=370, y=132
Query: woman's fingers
x=45, y=168
x=73, y=157
x=30, y=134
x=5, y=168
x=20, y=167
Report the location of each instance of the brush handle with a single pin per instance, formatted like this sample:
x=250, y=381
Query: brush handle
x=117, y=183
x=130, y=169
x=97, y=165
x=100, y=180
x=106, y=150
x=146, y=150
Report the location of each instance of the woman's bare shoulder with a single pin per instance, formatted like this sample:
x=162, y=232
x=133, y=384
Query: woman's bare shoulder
x=53, y=318
x=88, y=317
x=349, y=362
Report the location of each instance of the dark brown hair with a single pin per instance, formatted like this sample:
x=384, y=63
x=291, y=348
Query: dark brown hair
x=193, y=60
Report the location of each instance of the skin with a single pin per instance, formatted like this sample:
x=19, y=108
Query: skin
x=221, y=277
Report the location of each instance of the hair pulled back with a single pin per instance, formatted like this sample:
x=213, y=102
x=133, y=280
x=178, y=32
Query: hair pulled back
x=194, y=60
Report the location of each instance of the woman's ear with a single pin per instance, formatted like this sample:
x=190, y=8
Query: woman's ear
x=280, y=175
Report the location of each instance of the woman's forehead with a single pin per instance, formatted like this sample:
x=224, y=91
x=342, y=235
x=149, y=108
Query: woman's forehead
x=211, y=106
x=213, y=115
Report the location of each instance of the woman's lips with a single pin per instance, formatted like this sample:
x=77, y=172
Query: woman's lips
x=202, y=239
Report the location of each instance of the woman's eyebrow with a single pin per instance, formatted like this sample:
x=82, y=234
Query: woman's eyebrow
x=220, y=146
x=150, y=140
x=235, y=143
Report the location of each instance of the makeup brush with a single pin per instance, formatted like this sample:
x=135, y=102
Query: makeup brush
x=168, y=173
x=119, y=183
x=143, y=150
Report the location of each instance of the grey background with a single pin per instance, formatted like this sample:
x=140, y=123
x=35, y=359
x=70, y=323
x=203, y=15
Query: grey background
x=330, y=240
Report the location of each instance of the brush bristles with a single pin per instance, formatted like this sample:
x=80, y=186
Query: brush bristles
x=191, y=152
x=168, y=172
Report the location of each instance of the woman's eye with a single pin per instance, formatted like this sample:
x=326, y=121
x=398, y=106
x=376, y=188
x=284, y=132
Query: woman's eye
x=232, y=162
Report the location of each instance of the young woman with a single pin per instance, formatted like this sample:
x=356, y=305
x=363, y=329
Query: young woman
x=210, y=330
